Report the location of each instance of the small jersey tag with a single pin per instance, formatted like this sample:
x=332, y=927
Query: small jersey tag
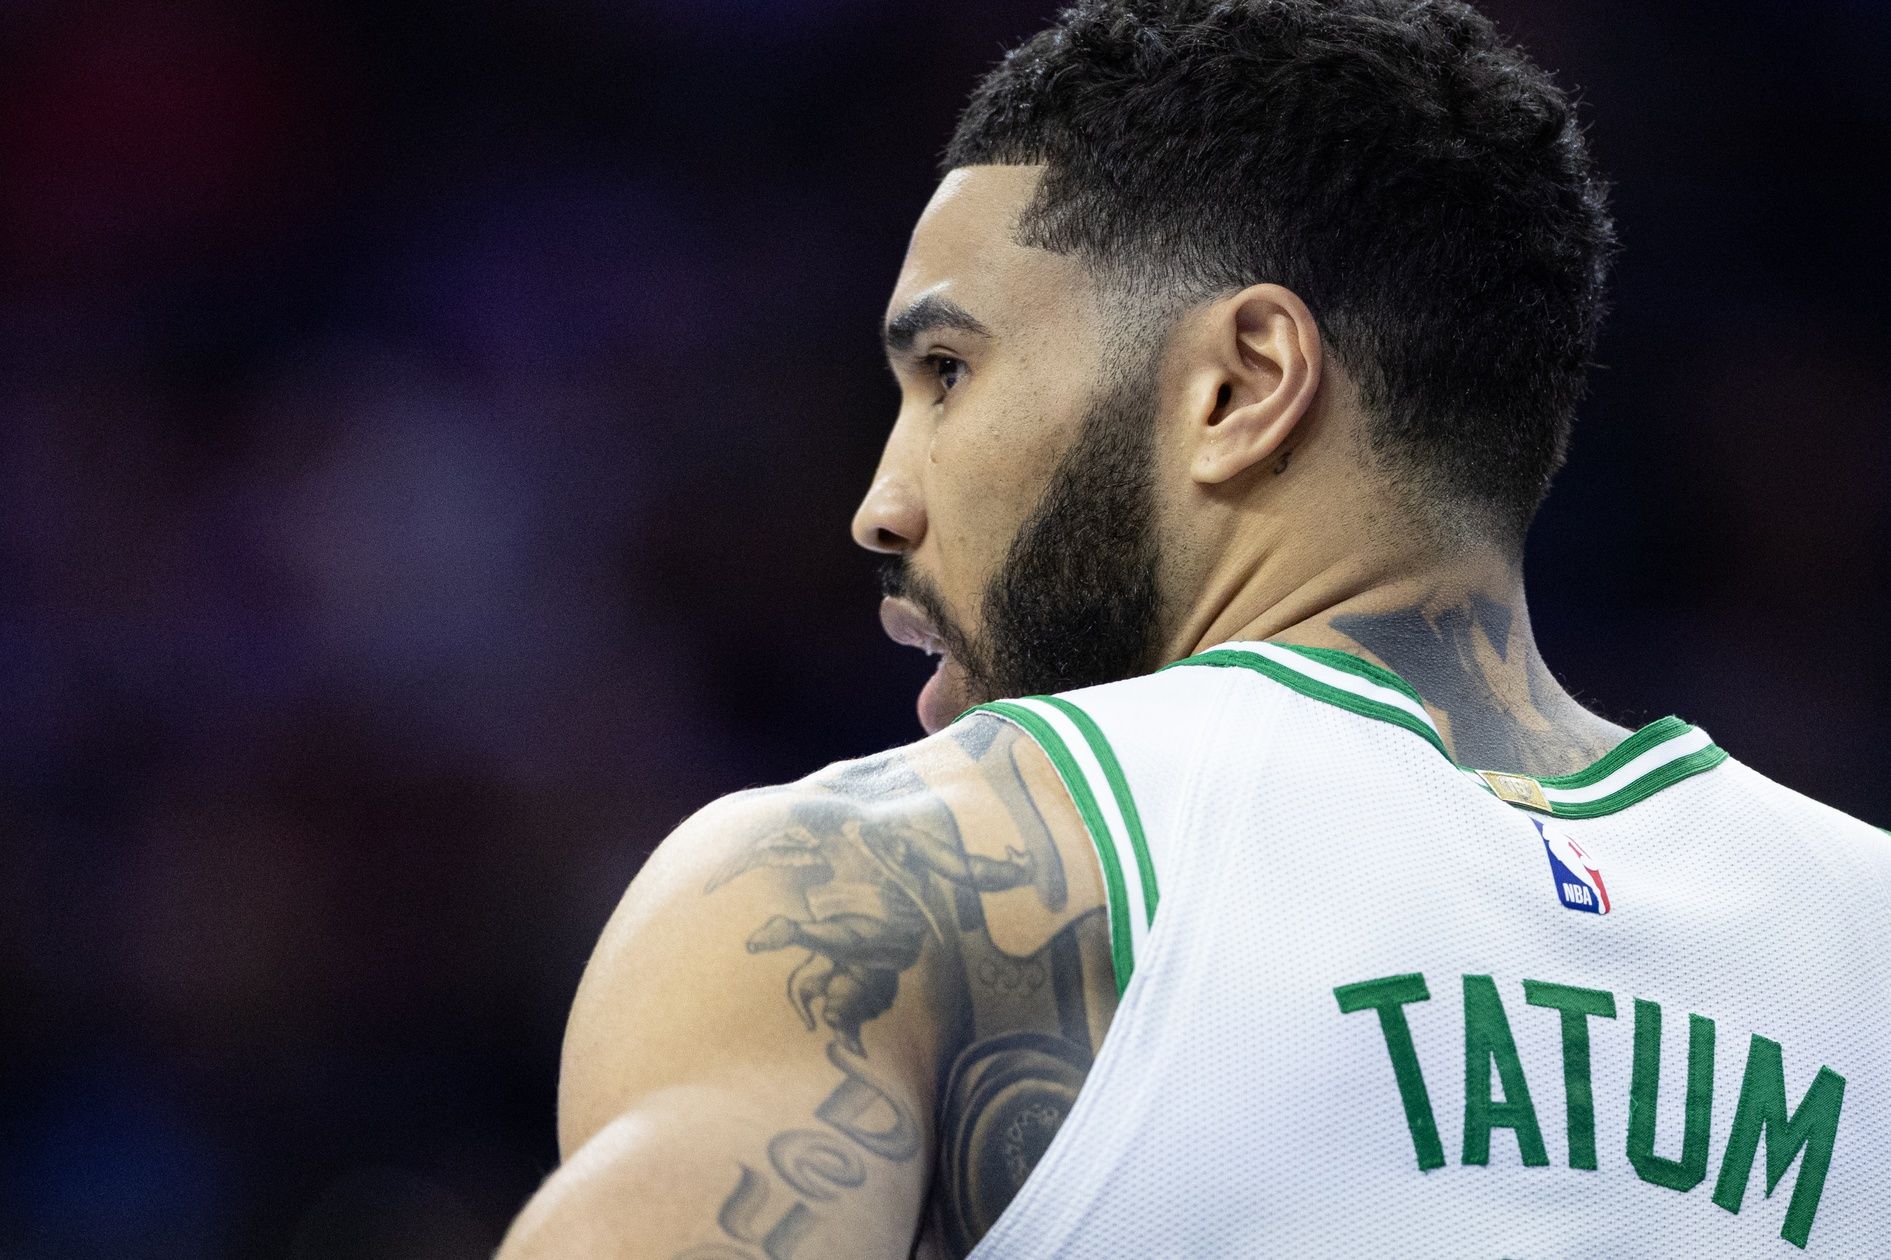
x=1518, y=789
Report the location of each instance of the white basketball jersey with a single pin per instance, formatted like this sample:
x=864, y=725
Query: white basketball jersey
x=1378, y=1005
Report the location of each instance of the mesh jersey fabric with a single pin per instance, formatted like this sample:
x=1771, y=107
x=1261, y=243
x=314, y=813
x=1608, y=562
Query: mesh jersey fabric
x=1303, y=847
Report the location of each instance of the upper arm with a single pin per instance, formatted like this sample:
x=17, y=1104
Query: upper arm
x=752, y=1047
x=688, y=982
x=763, y=1029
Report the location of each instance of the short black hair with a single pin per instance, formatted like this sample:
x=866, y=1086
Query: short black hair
x=1421, y=184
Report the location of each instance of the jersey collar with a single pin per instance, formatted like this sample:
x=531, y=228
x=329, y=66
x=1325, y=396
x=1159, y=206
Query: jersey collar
x=1661, y=753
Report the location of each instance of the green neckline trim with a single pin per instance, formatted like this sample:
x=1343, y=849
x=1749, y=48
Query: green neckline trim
x=1648, y=737
x=1660, y=731
x=1122, y=952
x=1365, y=706
x=1358, y=666
x=1646, y=786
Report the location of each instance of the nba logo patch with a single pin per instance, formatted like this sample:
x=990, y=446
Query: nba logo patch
x=1579, y=883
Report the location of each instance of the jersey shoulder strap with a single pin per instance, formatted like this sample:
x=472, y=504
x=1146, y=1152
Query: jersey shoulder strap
x=1129, y=754
x=1092, y=774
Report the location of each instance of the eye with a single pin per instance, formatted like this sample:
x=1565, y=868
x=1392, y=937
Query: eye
x=947, y=369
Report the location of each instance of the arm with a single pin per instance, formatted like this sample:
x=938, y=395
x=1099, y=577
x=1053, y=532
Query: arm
x=748, y=1066
x=766, y=1026
x=754, y=1052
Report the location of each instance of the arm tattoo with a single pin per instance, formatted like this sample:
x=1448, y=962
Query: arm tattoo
x=877, y=881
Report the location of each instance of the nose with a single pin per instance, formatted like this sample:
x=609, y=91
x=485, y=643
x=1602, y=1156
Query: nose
x=891, y=518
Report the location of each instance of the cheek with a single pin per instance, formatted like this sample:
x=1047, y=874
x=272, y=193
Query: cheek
x=984, y=475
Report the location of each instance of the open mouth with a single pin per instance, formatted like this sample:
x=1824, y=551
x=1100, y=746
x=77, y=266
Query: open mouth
x=905, y=623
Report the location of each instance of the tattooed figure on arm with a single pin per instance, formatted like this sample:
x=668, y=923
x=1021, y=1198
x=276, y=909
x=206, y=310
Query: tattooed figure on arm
x=941, y=989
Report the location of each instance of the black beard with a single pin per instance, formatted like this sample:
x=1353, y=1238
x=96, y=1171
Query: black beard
x=1076, y=601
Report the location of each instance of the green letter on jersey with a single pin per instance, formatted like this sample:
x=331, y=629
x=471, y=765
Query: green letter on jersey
x=1761, y=1112
x=1487, y=1037
x=1644, y=1088
x=1577, y=1005
x=1388, y=997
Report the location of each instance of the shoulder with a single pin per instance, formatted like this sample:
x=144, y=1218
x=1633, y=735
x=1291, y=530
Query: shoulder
x=1794, y=813
x=991, y=792
x=984, y=799
x=829, y=908
x=981, y=790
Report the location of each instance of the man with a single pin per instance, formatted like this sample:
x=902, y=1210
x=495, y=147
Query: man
x=1240, y=337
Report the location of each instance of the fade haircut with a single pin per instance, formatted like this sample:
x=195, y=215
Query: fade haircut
x=1421, y=184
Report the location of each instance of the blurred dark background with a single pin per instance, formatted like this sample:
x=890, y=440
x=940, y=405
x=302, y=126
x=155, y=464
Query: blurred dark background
x=427, y=439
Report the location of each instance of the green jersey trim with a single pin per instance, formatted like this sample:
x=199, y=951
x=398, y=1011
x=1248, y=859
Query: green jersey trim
x=1093, y=776
x=1122, y=955
x=1119, y=788
x=1357, y=686
x=1657, y=756
x=1359, y=667
x=1681, y=765
x=1635, y=745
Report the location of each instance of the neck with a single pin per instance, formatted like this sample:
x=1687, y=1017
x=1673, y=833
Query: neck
x=1458, y=631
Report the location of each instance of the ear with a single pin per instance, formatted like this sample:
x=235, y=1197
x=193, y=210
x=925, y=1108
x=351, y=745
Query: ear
x=1256, y=372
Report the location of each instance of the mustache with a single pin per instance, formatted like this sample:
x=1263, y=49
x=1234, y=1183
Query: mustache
x=896, y=577
x=899, y=580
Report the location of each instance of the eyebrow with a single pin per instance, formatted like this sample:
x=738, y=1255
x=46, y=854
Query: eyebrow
x=924, y=315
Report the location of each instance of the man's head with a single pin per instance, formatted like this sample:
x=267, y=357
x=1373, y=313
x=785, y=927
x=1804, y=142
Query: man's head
x=1179, y=241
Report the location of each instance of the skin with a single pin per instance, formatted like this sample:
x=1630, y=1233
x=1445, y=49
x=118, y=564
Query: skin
x=775, y=1049
x=778, y=1046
